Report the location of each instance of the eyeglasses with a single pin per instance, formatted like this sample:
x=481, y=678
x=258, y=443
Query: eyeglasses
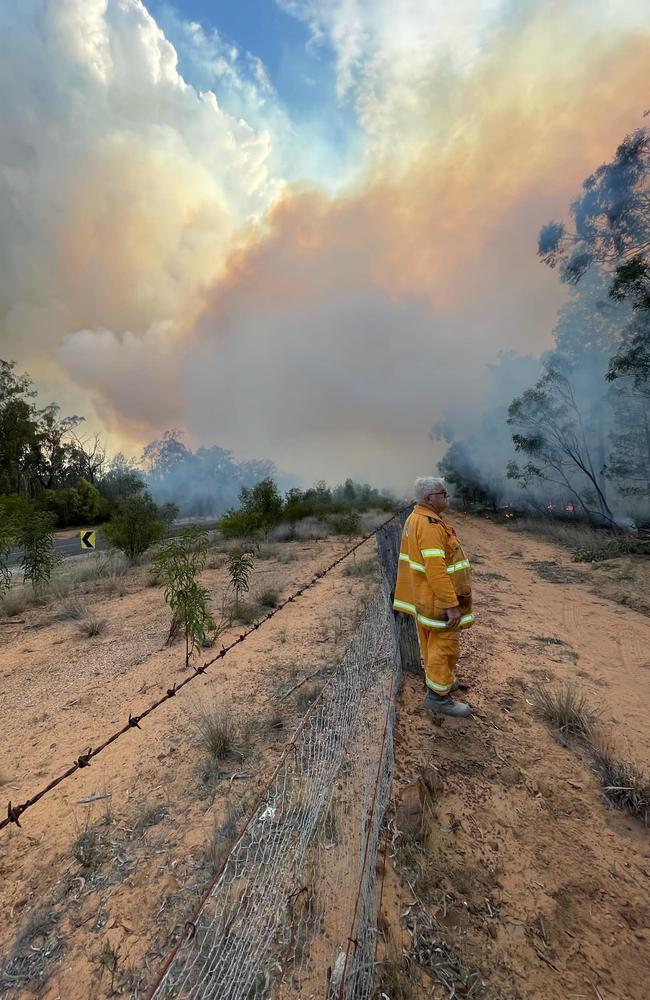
x=440, y=493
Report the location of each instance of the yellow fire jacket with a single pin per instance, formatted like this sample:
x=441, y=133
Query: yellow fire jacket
x=433, y=573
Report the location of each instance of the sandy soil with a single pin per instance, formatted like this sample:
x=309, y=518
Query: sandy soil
x=543, y=888
x=531, y=879
x=81, y=883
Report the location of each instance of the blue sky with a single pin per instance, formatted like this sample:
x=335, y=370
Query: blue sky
x=302, y=75
x=266, y=31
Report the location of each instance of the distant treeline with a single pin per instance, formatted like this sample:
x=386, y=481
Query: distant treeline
x=262, y=507
x=49, y=469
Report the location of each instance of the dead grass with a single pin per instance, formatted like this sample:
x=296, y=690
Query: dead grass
x=102, y=566
x=443, y=960
x=393, y=978
x=216, y=728
x=414, y=854
x=223, y=836
x=72, y=610
x=37, y=949
x=625, y=580
x=625, y=786
x=587, y=544
x=17, y=600
x=246, y=612
x=69, y=578
x=268, y=598
x=88, y=848
x=362, y=568
x=91, y=626
x=565, y=707
x=287, y=556
x=307, y=695
x=268, y=550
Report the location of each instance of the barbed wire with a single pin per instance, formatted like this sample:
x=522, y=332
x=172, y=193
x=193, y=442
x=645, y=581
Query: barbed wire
x=14, y=812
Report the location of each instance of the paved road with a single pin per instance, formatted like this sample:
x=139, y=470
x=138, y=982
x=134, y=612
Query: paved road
x=68, y=547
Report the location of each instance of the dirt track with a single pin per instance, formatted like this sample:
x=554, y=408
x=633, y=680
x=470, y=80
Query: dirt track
x=522, y=821
x=537, y=883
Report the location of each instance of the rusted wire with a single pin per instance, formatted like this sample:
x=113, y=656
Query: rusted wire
x=14, y=812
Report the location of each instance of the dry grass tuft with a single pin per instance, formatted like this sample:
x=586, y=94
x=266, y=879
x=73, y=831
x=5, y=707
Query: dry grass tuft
x=88, y=848
x=275, y=721
x=150, y=816
x=393, y=977
x=91, y=626
x=565, y=707
x=15, y=601
x=587, y=544
x=307, y=695
x=223, y=836
x=269, y=597
x=268, y=550
x=34, y=955
x=216, y=729
x=245, y=613
x=362, y=568
x=72, y=610
x=625, y=785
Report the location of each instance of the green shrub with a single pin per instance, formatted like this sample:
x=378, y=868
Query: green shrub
x=240, y=567
x=239, y=524
x=7, y=542
x=177, y=563
x=80, y=504
x=345, y=524
x=35, y=536
x=263, y=500
x=137, y=524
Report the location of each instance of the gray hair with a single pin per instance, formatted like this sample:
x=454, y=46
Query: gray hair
x=424, y=485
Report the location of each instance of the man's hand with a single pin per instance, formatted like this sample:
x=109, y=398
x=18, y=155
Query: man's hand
x=453, y=616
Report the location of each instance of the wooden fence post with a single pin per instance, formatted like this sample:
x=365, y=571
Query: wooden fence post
x=388, y=546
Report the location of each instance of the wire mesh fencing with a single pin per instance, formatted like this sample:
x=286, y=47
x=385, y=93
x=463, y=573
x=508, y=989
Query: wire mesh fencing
x=292, y=914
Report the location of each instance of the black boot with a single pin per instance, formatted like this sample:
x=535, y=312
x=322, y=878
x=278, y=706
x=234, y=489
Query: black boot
x=446, y=705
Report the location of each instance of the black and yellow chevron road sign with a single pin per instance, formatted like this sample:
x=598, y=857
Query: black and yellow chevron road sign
x=88, y=539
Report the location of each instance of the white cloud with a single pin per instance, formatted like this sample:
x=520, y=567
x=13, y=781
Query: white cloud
x=122, y=188
x=404, y=62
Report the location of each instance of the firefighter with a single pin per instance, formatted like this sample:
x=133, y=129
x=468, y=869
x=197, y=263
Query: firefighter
x=434, y=585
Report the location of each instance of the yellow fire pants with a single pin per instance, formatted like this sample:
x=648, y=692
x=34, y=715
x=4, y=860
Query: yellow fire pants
x=440, y=654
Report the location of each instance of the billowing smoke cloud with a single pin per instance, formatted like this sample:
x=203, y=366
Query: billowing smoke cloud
x=332, y=336
x=121, y=193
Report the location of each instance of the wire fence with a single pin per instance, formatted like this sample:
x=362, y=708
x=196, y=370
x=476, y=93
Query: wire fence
x=292, y=912
x=14, y=812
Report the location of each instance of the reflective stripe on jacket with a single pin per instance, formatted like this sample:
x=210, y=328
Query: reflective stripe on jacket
x=433, y=572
